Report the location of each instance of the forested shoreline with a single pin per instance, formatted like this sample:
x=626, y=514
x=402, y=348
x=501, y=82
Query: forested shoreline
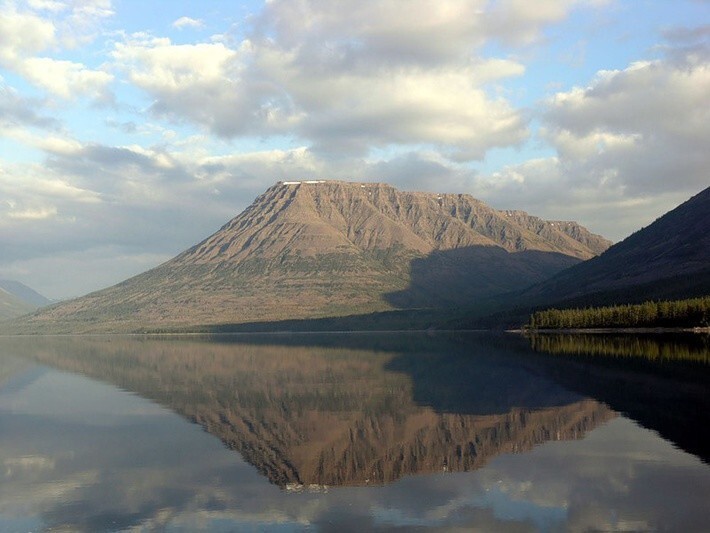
x=689, y=313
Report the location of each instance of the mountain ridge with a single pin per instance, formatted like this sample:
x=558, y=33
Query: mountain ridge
x=668, y=259
x=366, y=237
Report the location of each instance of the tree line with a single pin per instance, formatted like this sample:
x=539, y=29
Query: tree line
x=690, y=313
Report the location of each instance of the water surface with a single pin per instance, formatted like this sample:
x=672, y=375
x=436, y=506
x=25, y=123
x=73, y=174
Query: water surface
x=351, y=432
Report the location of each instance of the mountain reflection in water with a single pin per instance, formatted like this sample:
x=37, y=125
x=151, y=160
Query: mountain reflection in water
x=328, y=415
x=329, y=429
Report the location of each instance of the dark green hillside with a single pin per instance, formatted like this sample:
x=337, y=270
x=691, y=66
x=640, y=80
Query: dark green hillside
x=670, y=259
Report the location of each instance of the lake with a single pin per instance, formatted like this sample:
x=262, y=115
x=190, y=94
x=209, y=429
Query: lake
x=355, y=432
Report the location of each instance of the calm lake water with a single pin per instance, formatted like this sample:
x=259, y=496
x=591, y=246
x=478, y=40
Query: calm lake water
x=355, y=432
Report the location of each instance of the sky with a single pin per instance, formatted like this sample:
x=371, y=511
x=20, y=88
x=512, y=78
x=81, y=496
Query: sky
x=131, y=130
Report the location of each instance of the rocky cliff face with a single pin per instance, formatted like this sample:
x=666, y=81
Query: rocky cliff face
x=318, y=249
x=313, y=218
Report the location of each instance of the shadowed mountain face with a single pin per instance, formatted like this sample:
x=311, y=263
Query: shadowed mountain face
x=667, y=260
x=321, y=249
x=338, y=415
x=444, y=277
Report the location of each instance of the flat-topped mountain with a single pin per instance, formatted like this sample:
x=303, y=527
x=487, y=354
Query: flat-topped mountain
x=326, y=248
x=668, y=259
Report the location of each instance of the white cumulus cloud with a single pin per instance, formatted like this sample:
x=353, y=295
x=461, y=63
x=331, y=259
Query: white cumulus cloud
x=630, y=144
x=187, y=22
x=381, y=76
x=29, y=38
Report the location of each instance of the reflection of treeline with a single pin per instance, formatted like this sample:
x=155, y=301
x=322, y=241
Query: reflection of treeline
x=689, y=313
x=653, y=347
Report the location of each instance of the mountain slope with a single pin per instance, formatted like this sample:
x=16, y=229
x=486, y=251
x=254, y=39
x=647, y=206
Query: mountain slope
x=17, y=299
x=11, y=306
x=316, y=249
x=668, y=259
x=24, y=293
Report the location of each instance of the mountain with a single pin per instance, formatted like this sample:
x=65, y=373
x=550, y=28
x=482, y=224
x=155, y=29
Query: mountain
x=326, y=248
x=11, y=306
x=17, y=299
x=24, y=293
x=666, y=260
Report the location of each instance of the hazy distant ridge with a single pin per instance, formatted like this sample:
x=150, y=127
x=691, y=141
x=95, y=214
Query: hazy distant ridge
x=24, y=293
x=17, y=299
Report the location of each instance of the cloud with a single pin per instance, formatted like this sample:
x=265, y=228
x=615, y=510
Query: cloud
x=630, y=145
x=687, y=34
x=375, y=31
x=38, y=207
x=521, y=22
x=187, y=22
x=45, y=24
x=202, y=83
x=377, y=78
x=84, y=21
x=17, y=111
x=419, y=171
x=637, y=128
x=381, y=32
x=445, y=107
x=259, y=169
x=66, y=78
x=24, y=35
x=33, y=214
x=47, y=5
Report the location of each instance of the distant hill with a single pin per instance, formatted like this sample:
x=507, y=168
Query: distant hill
x=17, y=299
x=324, y=248
x=11, y=306
x=669, y=259
x=24, y=293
